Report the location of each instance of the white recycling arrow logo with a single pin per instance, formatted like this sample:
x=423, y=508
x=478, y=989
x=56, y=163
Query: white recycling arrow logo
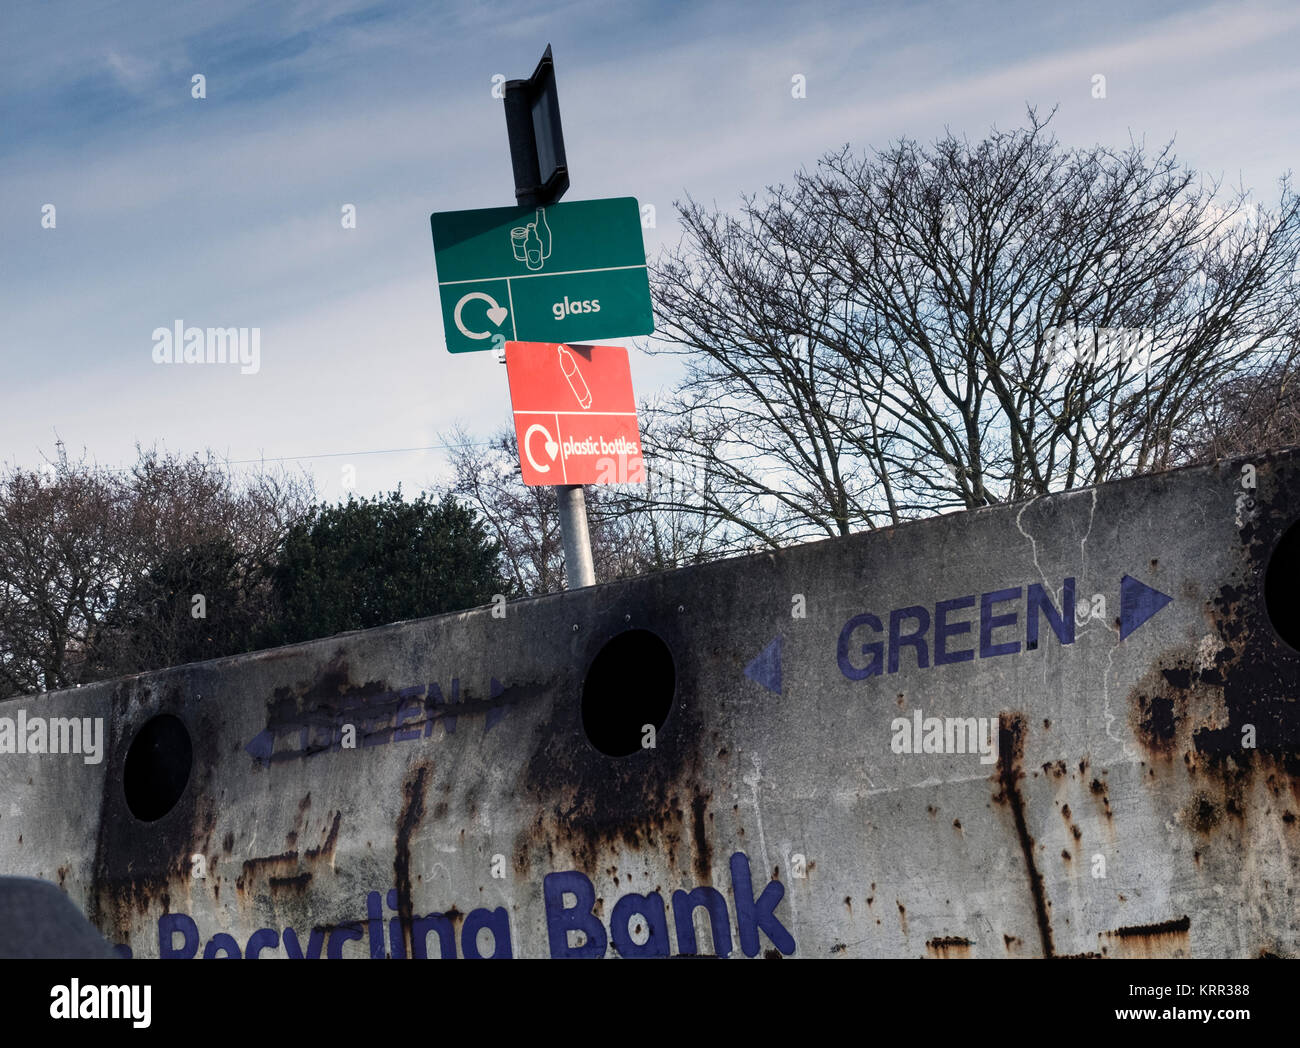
x=552, y=448
x=495, y=313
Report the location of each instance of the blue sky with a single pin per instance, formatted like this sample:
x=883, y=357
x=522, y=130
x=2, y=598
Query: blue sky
x=225, y=211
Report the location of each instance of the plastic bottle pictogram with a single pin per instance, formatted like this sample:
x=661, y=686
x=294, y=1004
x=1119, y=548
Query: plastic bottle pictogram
x=576, y=382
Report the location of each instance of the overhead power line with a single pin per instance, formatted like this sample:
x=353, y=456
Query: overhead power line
x=355, y=454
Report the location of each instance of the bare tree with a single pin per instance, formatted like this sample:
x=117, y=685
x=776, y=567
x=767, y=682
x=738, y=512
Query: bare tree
x=60, y=563
x=681, y=513
x=98, y=567
x=938, y=328
x=524, y=520
x=1247, y=412
x=195, y=530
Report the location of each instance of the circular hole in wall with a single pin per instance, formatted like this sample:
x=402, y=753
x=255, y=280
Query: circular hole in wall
x=630, y=685
x=1281, y=581
x=157, y=767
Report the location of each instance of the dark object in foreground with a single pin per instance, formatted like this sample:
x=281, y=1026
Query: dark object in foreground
x=39, y=921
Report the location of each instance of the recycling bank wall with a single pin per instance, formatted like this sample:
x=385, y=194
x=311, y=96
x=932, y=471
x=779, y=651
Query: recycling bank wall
x=1066, y=726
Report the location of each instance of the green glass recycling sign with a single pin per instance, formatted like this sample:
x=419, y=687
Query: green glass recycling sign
x=564, y=273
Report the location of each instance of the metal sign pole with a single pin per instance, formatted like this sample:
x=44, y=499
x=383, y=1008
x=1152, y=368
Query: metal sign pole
x=541, y=176
x=578, y=568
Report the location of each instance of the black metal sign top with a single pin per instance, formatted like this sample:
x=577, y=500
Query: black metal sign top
x=536, y=138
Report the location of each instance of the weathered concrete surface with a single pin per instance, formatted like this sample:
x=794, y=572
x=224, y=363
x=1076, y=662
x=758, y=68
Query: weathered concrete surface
x=1122, y=815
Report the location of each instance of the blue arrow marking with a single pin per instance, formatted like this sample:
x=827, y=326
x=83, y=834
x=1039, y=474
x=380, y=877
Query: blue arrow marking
x=766, y=668
x=260, y=748
x=1137, y=603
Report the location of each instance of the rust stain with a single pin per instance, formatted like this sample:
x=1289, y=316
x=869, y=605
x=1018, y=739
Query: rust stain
x=1255, y=674
x=595, y=807
x=1168, y=938
x=412, y=812
x=297, y=883
x=1011, y=755
x=1098, y=790
x=949, y=946
x=1202, y=814
x=283, y=871
x=1181, y=924
x=702, y=852
x=1157, y=721
x=251, y=865
x=331, y=840
x=1204, y=705
x=282, y=867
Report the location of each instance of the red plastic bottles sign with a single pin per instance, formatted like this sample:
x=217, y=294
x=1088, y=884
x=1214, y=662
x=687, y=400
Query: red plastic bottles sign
x=575, y=414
